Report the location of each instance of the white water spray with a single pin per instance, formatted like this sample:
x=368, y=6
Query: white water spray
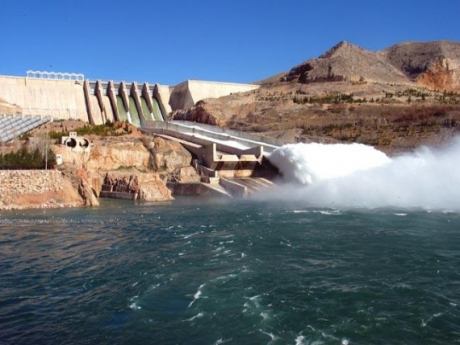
x=312, y=163
x=354, y=175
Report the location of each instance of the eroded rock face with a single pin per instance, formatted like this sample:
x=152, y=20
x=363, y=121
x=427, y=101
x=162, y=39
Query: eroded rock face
x=440, y=76
x=138, y=166
x=197, y=113
x=140, y=186
x=113, y=155
x=168, y=156
x=85, y=189
x=153, y=188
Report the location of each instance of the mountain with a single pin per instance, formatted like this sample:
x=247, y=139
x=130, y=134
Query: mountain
x=395, y=99
x=346, y=62
x=434, y=65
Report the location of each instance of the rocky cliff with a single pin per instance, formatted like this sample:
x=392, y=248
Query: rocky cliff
x=137, y=165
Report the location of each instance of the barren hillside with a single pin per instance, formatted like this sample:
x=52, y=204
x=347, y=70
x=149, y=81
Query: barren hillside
x=395, y=99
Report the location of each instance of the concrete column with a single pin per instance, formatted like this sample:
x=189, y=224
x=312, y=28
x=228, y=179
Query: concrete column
x=137, y=101
x=113, y=99
x=87, y=92
x=98, y=91
x=162, y=94
x=147, y=96
x=124, y=95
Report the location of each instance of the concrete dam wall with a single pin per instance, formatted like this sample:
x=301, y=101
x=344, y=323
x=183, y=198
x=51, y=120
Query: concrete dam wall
x=99, y=102
x=61, y=99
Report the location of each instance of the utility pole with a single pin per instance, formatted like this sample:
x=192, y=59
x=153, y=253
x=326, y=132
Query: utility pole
x=46, y=147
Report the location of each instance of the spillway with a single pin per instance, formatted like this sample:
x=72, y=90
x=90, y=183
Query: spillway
x=108, y=109
x=135, y=120
x=95, y=110
x=122, y=113
x=154, y=115
x=157, y=111
x=145, y=110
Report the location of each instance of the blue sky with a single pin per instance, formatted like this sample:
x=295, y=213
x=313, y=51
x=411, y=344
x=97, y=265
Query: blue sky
x=226, y=40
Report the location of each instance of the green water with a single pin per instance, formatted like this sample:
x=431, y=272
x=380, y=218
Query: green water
x=135, y=120
x=122, y=113
x=145, y=110
x=157, y=111
x=155, y=115
x=228, y=273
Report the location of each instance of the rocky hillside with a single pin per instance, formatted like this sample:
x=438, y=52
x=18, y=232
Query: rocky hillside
x=347, y=62
x=395, y=99
x=435, y=65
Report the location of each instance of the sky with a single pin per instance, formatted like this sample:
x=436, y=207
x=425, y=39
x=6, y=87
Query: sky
x=169, y=41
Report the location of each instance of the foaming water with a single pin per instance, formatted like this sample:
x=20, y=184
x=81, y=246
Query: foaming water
x=359, y=176
x=312, y=163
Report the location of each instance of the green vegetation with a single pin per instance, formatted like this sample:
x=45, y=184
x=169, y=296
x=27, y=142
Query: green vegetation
x=23, y=159
x=108, y=129
x=448, y=97
x=412, y=93
x=335, y=98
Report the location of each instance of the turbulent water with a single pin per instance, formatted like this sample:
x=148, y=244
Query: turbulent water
x=359, y=176
x=246, y=272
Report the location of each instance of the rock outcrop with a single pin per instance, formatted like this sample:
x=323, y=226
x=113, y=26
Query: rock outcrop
x=141, y=186
x=435, y=65
x=129, y=167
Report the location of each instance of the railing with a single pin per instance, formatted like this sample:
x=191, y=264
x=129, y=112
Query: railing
x=55, y=75
x=246, y=135
x=212, y=132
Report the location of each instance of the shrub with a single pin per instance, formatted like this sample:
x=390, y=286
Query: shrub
x=23, y=159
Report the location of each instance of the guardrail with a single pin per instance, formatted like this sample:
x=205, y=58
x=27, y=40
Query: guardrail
x=212, y=132
x=246, y=135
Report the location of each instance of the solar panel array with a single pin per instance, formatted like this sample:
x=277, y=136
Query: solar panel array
x=13, y=126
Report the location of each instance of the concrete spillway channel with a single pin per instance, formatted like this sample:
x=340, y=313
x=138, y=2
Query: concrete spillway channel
x=120, y=101
x=232, y=165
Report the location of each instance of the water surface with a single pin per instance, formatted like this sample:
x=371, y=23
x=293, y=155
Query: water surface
x=233, y=273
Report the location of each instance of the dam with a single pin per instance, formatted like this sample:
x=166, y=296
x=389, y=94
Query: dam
x=228, y=161
x=70, y=96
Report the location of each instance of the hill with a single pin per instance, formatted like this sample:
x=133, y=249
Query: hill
x=434, y=65
x=395, y=99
